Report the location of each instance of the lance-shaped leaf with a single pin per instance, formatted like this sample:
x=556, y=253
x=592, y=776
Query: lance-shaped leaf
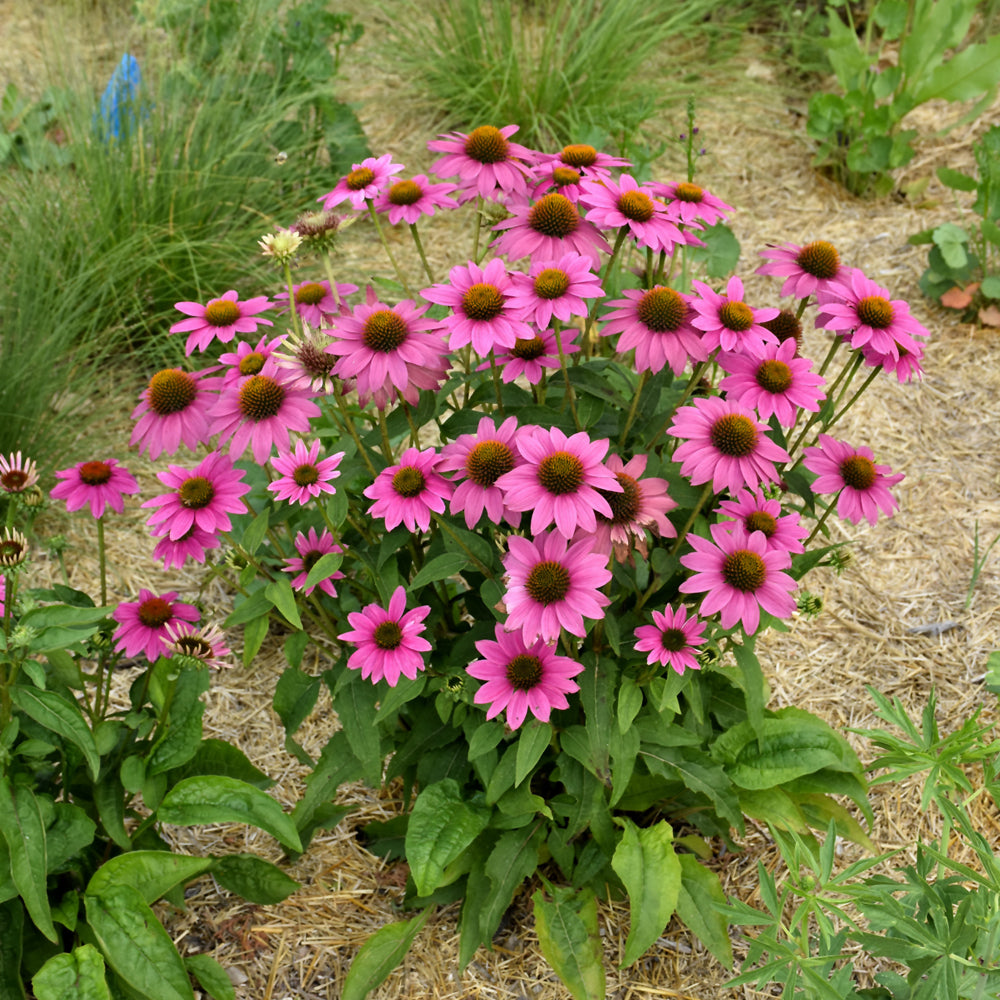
x=569, y=940
x=379, y=955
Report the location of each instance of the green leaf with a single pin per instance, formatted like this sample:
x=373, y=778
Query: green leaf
x=973, y=71
x=179, y=736
x=514, y=859
x=700, y=892
x=295, y=697
x=568, y=938
x=952, y=241
x=380, y=954
x=152, y=873
x=59, y=716
x=647, y=864
x=135, y=944
x=218, y=799
x=323, y=568
x=69, y=832
x=754, y=685
x=251, y=607
x=22, y=827
x=78, y=975
x=211, y=976
x=109, y=797
x=956, y=180
x=11, y=939
x=485, y=738
x=991, y=285
x=336, y=765
x=254, y=633
x=532, y=743
x=281, y=595
x=440, y=568
x=255, y=532
x=254, y=878
x=442, y=825
x=629, y=703
x=355, y=704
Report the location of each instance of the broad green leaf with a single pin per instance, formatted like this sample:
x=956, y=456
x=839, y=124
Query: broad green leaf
x=439, y=568
x=63, y=615
x=700, y=892
x=647, y=864
x=211, y=976
x=324, y=567
x=973, y=71
x=355, y=704
x=597, y=684
x=135, y=944
x=534, y=740
x=295, y=697
x=178, y=738
x=991, y=231
x=514, y=859
x=67, y=834
x=253, y=878
x=255, y=532
x=336, y=765
x=109, y=797
x=624, y=753
x=76, y=975
x=991, y=285
x=251, y=607
x=485, y=738
x=568, y=938
x=442, y=825
x=380, y=954
x=22, y=827
x=152, y=873
x=218, y=799
x=220, y=757
x=59, y=716
x=11, y=939
x=956, y=180
x=629, y=702
x=754, y=685
x=281, y=595
x=254, y=633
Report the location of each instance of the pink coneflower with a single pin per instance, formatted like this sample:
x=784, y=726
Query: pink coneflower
x=174, y=409
x=657, y=324
x=778, y=383
x=388, y=640
x=17, y=474
x=554, y=175
x=673, y=639
x=688, y=202
x=142, y=624
x=3, y=594
x=559, y=480
x=641, y=504
x=304, y=363
x=193, y=544
x=220, y=318
x=202, y=497
x=741, y=575
x=724, y=443
x=547, y=230
x=363, y=183
x=485, y=162
x=584, y=159
x=613, y=205
x=906, y=366
x=868, y=317
x=304, y=475
x=96, y=483
x=206, y=644
x=728, y=322
x=752, y=511
x=529, y=358
x=311, y=548
x=247, y=359
x=554, y=288
x=863, y=486
x=481, y=311
x=522, y=677
x=553, y=585
x=481, y=459
x=315, y=302
x=806, y=269
x=260, y=410
x=406, y=201
x=381, y=346
x=407, y=493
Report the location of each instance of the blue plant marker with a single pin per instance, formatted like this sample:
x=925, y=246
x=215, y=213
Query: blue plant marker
x=120, y=100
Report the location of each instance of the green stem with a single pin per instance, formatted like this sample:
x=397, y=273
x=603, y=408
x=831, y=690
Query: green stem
x=496, y=382
x=446, y=527
x=414, y=432
x=479, y=226
x=683, y=533
x=296, y=325
x=388, y=252
x=102, y=559
x=822, y=520
x=328, y=268
x=570, y=397
x=633, y=408
x=349, y=424
x=592, y=313
x=688, y=389
x=420, y=250
x=864, y=385
x=384, y=430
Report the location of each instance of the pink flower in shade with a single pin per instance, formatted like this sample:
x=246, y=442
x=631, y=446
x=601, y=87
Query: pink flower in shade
x=384, y=346
x=555, y=288
x=315, y=302
x=547, y=230
x=406, y=201
x=553, y=585
x=193, y=544
x=741, y=575
x=688, y=202
x=486, y=163
x=304, y=475
x=613, y=205
x=174, y=409
x=584, y=159
x=260, y=410
x=388, y=640
x=561, y=481
x=96, y=483
x=728, y=322
x=906, y=366
x=529, y=358
x=672, y=640
x=751, y=511
x=657, y=324
x=863, y=486
x=16, y=473
x=868, y=317
x=3, y=593
x=806, y=269
x=201, y=497
x=407, y=493
x=311, y=548
x=779, y=383
x=481, y=311
x=480, y=459
x=220, y=318
x=142, y=624
x=206, y=644
x=248, y=360
x=641, y=504
x=363, y=183
x=723, y=443
x=522, y=677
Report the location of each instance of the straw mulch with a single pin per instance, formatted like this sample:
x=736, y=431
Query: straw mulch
x=894, y=618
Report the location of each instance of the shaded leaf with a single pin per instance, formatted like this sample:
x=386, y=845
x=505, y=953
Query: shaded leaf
x=253, y=878
x=568, y=938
